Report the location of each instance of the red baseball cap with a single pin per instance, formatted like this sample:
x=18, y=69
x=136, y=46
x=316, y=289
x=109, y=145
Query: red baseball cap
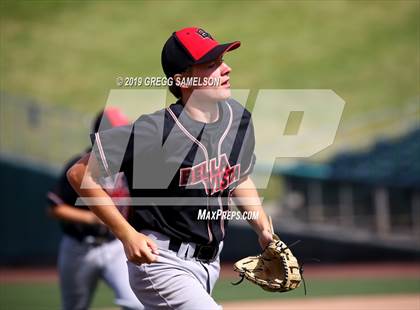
x=191, y=46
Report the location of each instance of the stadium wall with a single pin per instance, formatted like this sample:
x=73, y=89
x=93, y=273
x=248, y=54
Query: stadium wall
x=27, y=235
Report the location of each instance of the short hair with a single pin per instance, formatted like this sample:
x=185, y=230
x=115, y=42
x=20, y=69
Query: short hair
x=175, y=90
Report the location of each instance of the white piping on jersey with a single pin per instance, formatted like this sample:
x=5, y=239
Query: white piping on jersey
x=222, y=138
x=101, y=153
x=250, y=165
x=222, y=221
x=206, y=155
x=208, y=227
x=55, y=198
x=219, y=148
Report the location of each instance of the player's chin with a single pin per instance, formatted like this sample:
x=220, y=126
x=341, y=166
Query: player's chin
x=225, y=93
x=221, y=93
x=213, y=94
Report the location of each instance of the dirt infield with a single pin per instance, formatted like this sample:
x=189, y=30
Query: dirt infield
x=28, y=275
x=397, y=302
x=371, y=270
x=378, y=270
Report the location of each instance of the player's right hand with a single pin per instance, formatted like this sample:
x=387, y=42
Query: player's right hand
x=139, y=248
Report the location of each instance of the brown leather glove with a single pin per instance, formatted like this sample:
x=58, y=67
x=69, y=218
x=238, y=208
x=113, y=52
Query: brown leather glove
x=275, y=270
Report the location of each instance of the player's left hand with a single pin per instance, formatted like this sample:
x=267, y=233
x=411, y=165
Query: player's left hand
x=264, y=238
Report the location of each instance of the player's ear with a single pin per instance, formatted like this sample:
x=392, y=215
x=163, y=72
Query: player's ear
x=178, y=80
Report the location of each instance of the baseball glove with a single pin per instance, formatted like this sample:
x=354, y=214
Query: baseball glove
x=275, y=270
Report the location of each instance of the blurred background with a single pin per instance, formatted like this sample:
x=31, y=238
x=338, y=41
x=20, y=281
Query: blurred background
x=354, y=206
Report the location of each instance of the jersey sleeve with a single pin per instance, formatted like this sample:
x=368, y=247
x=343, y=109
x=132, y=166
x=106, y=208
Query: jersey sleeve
x=116, y=148
x=111, y=149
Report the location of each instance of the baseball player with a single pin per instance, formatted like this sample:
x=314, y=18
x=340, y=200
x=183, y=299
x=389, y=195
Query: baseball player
x=180, y=161
x=88, y=250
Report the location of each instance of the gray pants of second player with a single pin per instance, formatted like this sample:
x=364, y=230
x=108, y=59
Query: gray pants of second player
x=81, y=266
x=176, y=280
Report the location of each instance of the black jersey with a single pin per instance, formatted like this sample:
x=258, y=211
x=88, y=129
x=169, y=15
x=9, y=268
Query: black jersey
x=63, y=193
x=176, y=166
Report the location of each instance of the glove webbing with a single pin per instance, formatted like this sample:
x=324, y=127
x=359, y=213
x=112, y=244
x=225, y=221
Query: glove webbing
x=242, y=274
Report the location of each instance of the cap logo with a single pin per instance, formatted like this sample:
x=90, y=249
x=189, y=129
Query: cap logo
x=204, y=34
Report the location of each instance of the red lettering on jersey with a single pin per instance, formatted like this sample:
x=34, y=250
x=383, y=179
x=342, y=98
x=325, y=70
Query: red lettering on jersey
x=220, y=176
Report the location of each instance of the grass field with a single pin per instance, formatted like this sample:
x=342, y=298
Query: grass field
x=46, y=295
x=69, y=53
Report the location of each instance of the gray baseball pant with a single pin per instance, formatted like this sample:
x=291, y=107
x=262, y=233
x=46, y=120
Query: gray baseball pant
x=177, y=280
